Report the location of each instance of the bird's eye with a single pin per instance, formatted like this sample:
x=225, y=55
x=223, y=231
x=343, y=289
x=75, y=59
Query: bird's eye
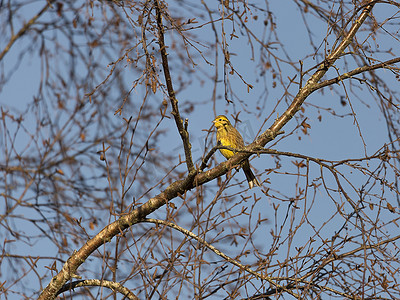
x=220, y=120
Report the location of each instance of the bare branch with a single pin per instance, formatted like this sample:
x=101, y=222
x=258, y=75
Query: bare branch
x=25, y=28
x=115, y=286
x=171, y=93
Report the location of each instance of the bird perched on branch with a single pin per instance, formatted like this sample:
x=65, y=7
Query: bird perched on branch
x=228, y=136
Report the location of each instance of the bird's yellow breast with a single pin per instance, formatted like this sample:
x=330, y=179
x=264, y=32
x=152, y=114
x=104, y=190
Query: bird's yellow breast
x=229, y=136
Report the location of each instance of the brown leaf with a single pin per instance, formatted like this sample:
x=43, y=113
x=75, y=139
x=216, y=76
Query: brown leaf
x=391, y=208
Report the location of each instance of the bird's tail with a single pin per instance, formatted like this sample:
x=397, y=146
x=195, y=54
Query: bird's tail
x=251, y=178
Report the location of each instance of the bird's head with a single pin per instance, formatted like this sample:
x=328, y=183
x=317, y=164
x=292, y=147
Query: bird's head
x=221, y=121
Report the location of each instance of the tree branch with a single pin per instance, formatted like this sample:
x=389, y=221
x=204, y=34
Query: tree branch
x=171, y=93
x=312, y=82
x=24, y=29
x=115, y=286
x=383, y=65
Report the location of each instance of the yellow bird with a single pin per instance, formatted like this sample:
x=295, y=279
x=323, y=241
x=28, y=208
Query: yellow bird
x=228, y=136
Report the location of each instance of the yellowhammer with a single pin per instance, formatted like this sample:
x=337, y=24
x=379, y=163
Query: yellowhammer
x=228, y=136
